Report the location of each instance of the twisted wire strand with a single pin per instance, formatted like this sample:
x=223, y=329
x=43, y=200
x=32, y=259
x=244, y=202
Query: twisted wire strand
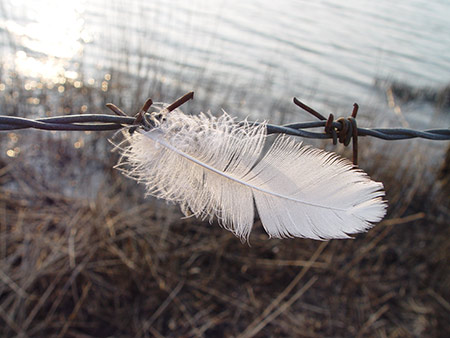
x=101, y=122
x=104, y=122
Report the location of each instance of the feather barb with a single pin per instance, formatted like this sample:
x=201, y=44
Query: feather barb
x=213, y=166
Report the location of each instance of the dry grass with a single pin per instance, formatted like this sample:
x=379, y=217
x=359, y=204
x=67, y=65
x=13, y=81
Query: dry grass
x=74, y=265
x=122, y=266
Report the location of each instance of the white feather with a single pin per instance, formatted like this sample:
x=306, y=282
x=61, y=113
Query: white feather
x=212, y=166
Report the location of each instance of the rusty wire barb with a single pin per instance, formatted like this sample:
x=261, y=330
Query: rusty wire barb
x=342, y=129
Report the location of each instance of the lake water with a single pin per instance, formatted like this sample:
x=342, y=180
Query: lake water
x=250, y=57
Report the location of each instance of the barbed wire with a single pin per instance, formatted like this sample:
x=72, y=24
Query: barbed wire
x=104, y=122
x=343, y=130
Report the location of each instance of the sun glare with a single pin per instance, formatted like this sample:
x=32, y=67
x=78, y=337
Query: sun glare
x=52, y=35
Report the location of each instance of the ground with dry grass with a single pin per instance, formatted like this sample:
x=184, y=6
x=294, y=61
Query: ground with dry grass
x=119, y=265
x=84, y=254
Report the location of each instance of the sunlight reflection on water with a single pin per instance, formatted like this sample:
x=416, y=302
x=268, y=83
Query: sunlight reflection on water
x=48, y=35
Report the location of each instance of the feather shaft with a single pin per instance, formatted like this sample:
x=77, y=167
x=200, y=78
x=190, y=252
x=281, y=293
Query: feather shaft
x=232, y=178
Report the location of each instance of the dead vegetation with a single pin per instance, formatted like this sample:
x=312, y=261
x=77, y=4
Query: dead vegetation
x=113, y=264
x=121, y=266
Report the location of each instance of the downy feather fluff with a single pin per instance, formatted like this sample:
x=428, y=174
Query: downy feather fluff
x=212, y=166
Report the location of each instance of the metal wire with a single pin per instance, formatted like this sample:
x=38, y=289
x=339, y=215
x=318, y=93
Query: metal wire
x=390, y=134
x=101, y=122
x=344, y=130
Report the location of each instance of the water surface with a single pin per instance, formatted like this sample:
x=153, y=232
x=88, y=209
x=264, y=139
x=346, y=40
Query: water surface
x=327, y=52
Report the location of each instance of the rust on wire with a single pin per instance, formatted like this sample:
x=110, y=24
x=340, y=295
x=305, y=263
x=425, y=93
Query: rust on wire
x=116, y=110
x=329, y=128
x=139, y=116
x=355, y=110
x=355, y=139
x=345, y=129
x=141, y=119
x=180, y=101
x=309, y=109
